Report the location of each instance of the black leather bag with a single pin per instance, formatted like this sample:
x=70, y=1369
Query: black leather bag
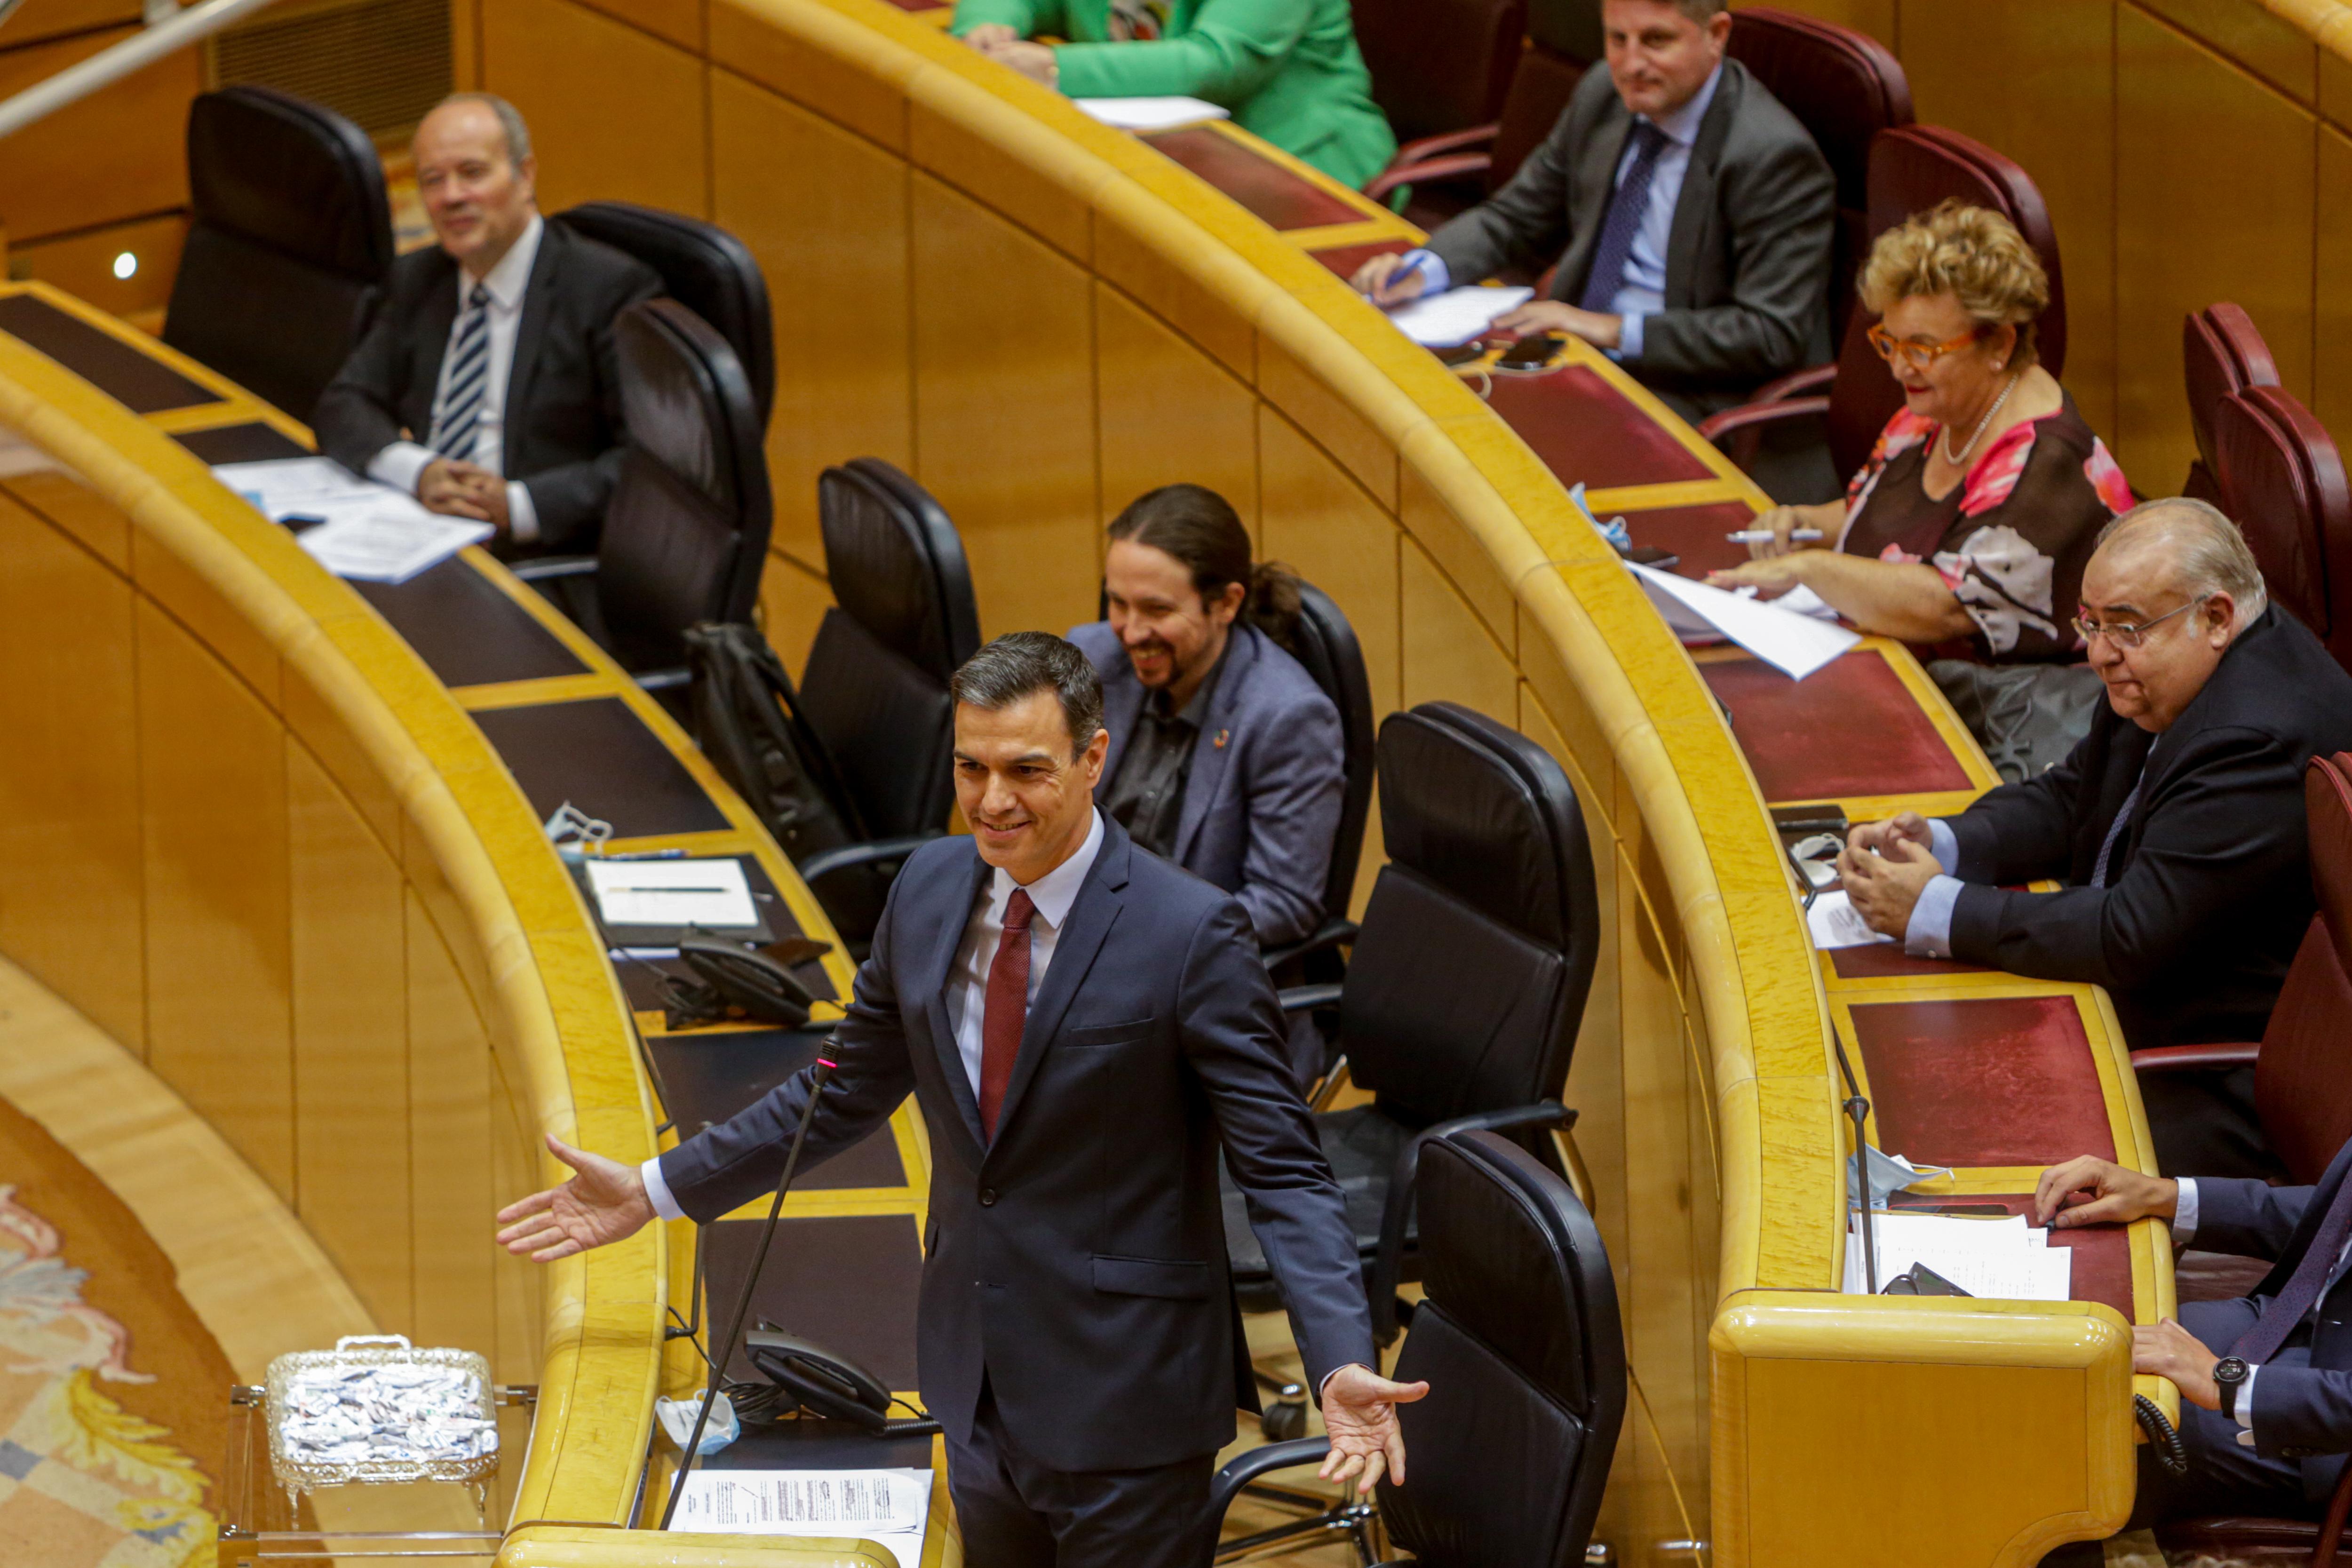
x=747, y=719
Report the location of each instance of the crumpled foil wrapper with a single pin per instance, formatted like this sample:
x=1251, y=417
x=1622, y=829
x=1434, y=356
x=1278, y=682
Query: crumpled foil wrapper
x=376, y=1409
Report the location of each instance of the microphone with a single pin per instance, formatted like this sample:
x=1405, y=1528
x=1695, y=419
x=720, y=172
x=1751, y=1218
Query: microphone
x=725, y=1347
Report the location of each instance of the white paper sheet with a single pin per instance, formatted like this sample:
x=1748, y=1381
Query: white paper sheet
x=372, y=533
x=1454, y=317
x=2003, y=1259
x=1834, y=923
x=887, y=1506
x=1150, y=113
x=1797, y=601
x=1795, y=644
x=709, y=893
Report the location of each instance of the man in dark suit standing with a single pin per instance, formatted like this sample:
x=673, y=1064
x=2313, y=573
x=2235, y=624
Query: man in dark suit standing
x=2177, y=822
x=1085, y=1026
x=2265, y=1380
x=487, y=383
x=1689, y=213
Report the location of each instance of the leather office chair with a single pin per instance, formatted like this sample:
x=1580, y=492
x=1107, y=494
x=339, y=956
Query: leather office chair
x=1520, y=1339
x=1462, y=995
x=1912, y=168
x=2304, y=1100
x=2221, y=353
x=705, y=268
x=2282, y=479
x=875, y=690
x=291, y=239
x=685, y=533
x=1439, y=65
x=1451, y=171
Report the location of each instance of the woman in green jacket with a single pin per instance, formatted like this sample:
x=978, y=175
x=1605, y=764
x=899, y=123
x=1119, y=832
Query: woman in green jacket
x=1287, y=69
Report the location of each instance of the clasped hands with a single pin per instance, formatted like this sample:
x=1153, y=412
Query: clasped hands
x=1884, y=867
x=458, y=489
x=2092, y=1191
x=1008, y=48
x=605, y=1202
x=1384, y=282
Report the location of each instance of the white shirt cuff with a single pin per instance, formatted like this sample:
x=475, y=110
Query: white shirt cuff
x=1628, y=336
x=400, y=465
x=2184, y=1215
x=522, y=518
x=1929, y=934
x=1436, y=277
x=1945, y=844
x=658, y=1190
x=2246, y=1408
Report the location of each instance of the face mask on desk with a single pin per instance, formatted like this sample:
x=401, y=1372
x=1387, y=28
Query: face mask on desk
x=1888, y=1173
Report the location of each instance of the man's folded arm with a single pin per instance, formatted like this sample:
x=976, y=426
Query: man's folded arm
x=1234, y=1038
x=354, y=419
x=2245, y=1217
x=1293, y=814
x=2020, y=832
x=2302, y=1407
x=1524, y=224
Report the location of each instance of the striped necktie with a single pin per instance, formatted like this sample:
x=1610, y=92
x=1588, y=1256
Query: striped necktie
x=2116, y=832
x=1627, y=209
x=469, y=380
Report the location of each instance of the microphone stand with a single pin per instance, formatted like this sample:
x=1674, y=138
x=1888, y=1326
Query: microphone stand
x=1858, y=1109
x=725, y=1347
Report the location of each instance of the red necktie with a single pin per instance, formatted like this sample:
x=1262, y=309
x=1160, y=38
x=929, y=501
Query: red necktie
x=1007, y=1010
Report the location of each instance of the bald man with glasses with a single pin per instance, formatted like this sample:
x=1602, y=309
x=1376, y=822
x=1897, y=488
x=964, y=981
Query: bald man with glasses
x=2176, y=826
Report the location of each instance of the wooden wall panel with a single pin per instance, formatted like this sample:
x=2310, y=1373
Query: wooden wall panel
x=2331, y=371
x=70, y=874
x=1448, y=654
x=212, y=776
x=451, y=1129
x=1329, y=532
x=825, y=214
x=567, y=67
x=350, y=1040
x=115, y=154
x=2189, y=121
x=1876, y=18
x=2051, y=108
x=1169, y=413
x=83, y=265
x=995, y=308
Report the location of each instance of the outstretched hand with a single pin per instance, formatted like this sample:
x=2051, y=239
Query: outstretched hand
x=604, y=1202
x=1360, y=1413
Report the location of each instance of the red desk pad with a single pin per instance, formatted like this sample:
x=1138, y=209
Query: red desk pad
x=1696, y=533
x=1585, y=429
x=1886, y=960
x=1988, y=1080
x=1283, y=198
x=2102, y=1253
x=1344, y=259
x=1852, y=727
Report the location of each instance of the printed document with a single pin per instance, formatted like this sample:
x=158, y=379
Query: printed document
x=364, y=530
x=713, y=894
x=1796, y=644
x=887, y=1506
x=1150, y=113
x=2003, y=1259
x=1448, y=320
x=1834, y=923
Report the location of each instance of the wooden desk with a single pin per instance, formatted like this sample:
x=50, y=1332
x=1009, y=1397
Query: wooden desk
x=507, y=712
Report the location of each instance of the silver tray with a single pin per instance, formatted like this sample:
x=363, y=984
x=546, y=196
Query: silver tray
x=297, y=1474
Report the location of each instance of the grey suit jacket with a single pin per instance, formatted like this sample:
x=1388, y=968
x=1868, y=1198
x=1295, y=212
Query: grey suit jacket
x=1747, y=260
x=1078, y=1260
x=1261, y=799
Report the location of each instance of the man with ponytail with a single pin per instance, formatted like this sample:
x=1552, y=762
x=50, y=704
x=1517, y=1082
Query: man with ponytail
x=1225, y=754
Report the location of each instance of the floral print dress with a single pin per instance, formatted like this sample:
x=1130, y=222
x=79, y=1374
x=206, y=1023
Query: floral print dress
x=2012, y=537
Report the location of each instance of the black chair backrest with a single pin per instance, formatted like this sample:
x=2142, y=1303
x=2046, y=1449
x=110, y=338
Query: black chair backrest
x=1520, y=1341
x=686, y=533
x=707, y=268
x=1328, y=647
x=291, y=236
x=876, y=687
x=1466, y=986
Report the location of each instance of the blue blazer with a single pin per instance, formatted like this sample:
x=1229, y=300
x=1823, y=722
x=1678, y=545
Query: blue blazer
x=2296, y=1406
x=1079, y=1260
x=1262, y=808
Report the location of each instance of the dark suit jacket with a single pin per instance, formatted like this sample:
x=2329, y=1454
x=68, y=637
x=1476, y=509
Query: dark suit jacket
x=2298, y=1406
x=1747, y=259
x=563, y=431
x=2209, y=889
x=1260, y=811
x=1079, y=1259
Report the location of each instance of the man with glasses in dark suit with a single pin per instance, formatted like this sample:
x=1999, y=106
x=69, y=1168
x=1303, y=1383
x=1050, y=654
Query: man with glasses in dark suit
x=2176, y=823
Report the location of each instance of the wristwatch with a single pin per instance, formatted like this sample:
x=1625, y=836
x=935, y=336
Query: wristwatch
x=2230, y=1375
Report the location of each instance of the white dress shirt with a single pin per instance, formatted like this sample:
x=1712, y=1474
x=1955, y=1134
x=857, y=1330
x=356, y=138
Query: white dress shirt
x=1642, y=292
x=402, y=463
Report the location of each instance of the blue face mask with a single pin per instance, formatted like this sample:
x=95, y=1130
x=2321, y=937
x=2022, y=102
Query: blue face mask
x=1888, y=1173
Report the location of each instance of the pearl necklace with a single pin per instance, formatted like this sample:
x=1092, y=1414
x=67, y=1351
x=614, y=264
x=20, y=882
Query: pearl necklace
x=1954, y=458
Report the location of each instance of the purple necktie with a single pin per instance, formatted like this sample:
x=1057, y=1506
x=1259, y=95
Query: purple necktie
x=2304, y=1287
x=1626, y=210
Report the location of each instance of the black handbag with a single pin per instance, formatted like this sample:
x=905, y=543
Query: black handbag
x=747, y=721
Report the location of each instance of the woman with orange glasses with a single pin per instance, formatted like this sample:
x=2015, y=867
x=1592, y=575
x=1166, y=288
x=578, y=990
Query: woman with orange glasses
x=1966, y=532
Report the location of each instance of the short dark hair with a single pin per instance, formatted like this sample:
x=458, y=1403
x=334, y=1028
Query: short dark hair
x=1012, y=667
x=1200, y=531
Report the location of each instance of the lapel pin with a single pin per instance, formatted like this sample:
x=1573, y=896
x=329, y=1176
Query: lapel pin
x=1222, y=736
